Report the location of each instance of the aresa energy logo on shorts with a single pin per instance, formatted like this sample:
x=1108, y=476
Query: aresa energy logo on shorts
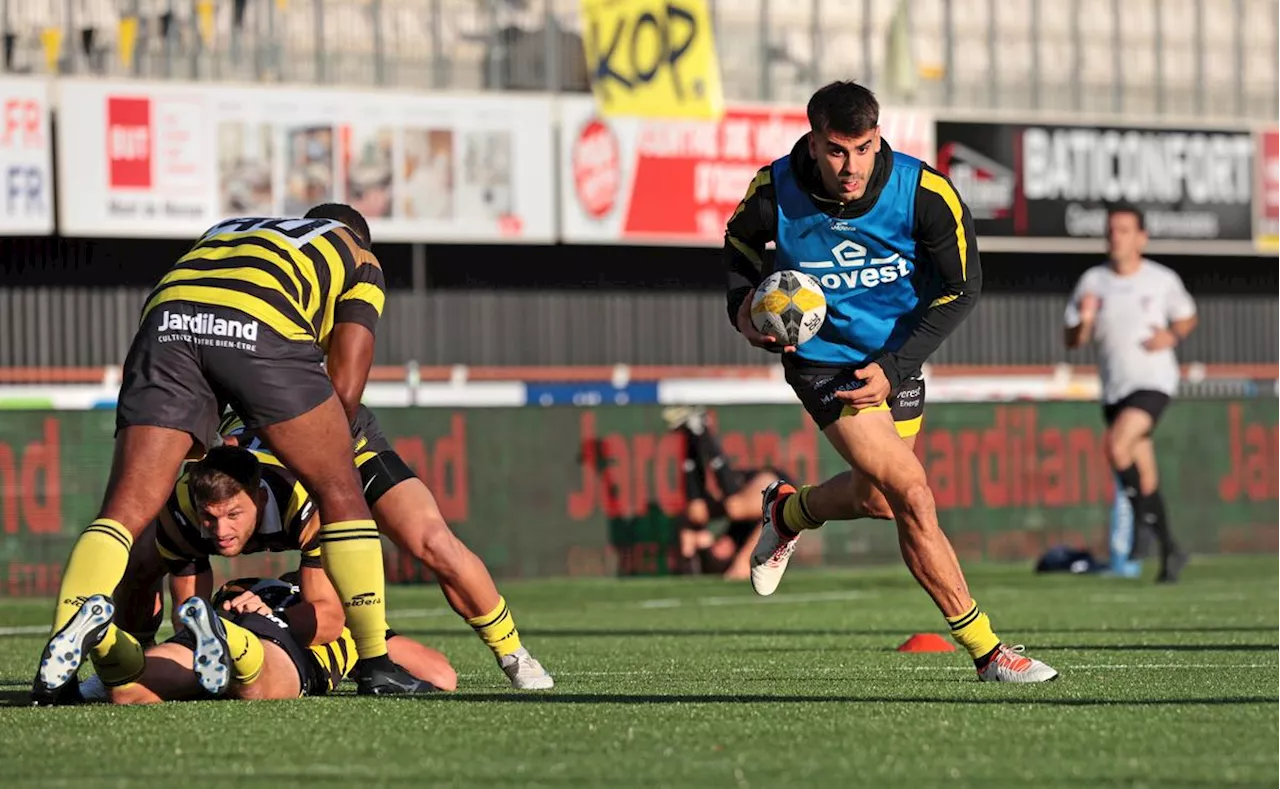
x=205, y=328
x=851, y=267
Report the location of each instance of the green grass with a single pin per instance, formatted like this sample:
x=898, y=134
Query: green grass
x=697, y=683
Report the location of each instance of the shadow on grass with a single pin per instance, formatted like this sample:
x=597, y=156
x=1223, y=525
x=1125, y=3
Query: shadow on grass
x=902, y=632
x=755, y=698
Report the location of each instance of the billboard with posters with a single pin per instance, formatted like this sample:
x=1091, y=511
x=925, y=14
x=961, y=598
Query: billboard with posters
x=1056, y=181
x=633, y=181
x=26, y=153
x=171, y=159
x=1267, y=238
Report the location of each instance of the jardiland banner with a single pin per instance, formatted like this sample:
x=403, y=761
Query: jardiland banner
x=577, y=491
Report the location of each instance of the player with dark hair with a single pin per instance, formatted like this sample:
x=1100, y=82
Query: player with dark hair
x=405, y=511
x=257, y=614
x=893, y=247
x=275, y=317
x=233, y=501
x=1135, y=312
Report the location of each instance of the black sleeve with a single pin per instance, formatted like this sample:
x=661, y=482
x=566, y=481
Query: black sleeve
x=751, y=227
x=944, y=231
x=695, y=474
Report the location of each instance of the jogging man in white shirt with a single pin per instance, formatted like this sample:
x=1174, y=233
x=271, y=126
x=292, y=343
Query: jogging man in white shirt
x=1135, y=311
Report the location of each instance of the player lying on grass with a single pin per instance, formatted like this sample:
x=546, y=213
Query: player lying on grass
x=736, y=499
x=233, y=501
x=243, y=645
x=405, y=511
x=275, y=314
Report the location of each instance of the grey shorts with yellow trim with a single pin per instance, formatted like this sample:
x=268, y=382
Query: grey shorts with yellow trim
x=817, y=386
x=188, y=361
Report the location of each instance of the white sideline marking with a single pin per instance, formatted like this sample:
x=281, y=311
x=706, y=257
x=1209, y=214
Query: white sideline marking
x=869, y=669
x=815, y=597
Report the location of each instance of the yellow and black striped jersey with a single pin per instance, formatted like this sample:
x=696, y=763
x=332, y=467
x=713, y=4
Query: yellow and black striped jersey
x=285, y=522
x=298, y=276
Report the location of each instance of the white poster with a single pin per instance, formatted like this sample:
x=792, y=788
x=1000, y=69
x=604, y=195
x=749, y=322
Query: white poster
x=25, y=158
x=171, y=159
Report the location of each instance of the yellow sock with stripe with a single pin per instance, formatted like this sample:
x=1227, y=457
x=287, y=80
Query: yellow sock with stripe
x=247, y=655
x=351, y=552
x=117, y=658
x=497, y=629
x=795, y=511
x=96, y=566
x=972, y=630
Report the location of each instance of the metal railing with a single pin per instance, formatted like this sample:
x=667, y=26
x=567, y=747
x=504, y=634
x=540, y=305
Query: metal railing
x=1137, y=57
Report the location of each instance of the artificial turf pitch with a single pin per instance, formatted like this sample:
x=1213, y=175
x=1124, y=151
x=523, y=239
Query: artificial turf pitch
x=695, y=682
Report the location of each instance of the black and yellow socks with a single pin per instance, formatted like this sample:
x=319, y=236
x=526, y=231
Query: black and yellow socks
x=972, y=630
x=795, y=513
x=247, y=655
x=117, y=658
x=497, y=629
x=351, y=552
x=97, y=564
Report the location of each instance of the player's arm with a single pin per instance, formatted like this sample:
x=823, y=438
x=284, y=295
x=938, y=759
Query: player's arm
x=1082, y=310
x=355, y=320
x=1182, y=314
x=748, y=231
x=944, y=231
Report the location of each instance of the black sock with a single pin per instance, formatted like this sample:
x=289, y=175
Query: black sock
x=713, y=456
x=1157, y=520
x=1131, y=487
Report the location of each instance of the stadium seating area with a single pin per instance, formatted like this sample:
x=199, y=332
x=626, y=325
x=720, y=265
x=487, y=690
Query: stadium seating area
x=1136, y=56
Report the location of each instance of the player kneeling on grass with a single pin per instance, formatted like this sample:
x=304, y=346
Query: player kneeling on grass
x=405, y=511
x=738, y=501
x=241, y=645
x=233, y=501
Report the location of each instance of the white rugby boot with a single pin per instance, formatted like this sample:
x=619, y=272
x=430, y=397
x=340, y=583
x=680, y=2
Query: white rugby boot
x=773, y=552
x=525, y=672
x=1008, y=664
x=66, y=651
x=212, y=659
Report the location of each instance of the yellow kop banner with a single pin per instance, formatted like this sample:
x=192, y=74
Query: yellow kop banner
x=652, y=58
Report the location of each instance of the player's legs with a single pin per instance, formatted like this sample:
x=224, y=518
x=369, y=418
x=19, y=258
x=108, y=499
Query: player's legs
x=423, y=662
x=316, y=446
x=165, y=408
x=167, y=677
x=278, y=679
x=1155, y=517
x=408, y=514
x=868, y=441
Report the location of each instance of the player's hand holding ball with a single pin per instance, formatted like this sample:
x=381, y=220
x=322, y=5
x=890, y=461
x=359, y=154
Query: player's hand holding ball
x=784, y=311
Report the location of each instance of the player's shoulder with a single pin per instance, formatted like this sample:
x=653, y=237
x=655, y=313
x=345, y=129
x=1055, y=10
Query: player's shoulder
x=1159, y=271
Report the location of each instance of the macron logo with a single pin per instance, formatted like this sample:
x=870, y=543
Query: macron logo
x=208, y=324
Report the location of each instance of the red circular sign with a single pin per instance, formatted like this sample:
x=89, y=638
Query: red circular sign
x=597, y=171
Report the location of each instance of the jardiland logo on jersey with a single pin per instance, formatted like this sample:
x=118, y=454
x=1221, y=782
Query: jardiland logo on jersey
x=206, y=324
x=855, y=268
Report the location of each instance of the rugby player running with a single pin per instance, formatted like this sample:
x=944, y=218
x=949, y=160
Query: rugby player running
x=894, y=248
x=252, y=316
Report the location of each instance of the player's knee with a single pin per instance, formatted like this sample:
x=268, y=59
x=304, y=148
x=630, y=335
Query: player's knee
x=133, y=693
x=1118, y=453
x=915, y=501
x=437, y=547
x=697, y=514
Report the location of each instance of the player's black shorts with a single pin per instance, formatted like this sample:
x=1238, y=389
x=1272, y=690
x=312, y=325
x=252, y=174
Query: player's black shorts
x=817, y=386
x=311, y=677
x=188, y=361
x=741, y=531
x=381, y=467
x=1148, y=400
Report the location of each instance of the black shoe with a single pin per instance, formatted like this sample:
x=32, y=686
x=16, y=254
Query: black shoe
x=1172, y=568
x=381, y=677
x=60, y=662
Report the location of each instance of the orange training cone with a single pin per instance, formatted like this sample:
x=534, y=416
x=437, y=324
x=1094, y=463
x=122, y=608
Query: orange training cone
x=927, y=642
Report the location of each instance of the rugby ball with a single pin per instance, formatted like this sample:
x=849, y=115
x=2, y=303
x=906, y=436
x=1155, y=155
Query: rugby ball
x=790, y=306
